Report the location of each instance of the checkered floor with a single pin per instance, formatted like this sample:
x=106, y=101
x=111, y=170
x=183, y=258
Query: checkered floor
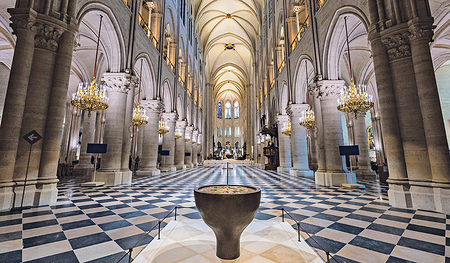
x=100, y=224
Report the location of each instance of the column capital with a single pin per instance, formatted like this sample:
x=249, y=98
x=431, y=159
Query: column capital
x=195, y=133
x=298, y=8
x=421, y=30
x=150, y=5
x=152, y=105
x=281, y=119
x=295, y=110
x=118, y=82
x=189, y=129
x=22, y=18
x=326, y=88
x=47, y=35
x=170, y=116
x=181, y=125
x=397, y=42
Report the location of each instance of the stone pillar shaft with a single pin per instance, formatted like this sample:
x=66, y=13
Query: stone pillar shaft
x=284, y=145
x=151, y=137
x=360, y=135
x=167, y=162
x=180, y=146
x=188, y=148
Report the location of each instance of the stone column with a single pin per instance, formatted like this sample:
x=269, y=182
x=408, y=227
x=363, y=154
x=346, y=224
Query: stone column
x=194, y=148
x=173, y=52
x=150, y=6
x=199, y=147
x=155, y=27
x=284, y=145
x=110, y=170
x=360, y=135
x=279, y=51
x=84, y=166
x=167, y=161
x=188, y=147
x=128, y=127
x=335, y=175
x=149, y=156
x=180, y=146
x=299, y=145
x=15, y=101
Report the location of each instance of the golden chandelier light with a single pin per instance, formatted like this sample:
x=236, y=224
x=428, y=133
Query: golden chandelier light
x=187, y=137
x=163, y=128
x=353, y=99
x=194, y=141
x=177, y=134
x=139, y=116
x=286, y=130
x=91, y=97
x=308, y=119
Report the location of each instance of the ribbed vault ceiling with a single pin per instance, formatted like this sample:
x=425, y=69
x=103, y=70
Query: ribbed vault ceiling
x=222, y=22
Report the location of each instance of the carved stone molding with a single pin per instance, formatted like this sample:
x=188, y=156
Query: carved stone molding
x=281, y=119
x=397, y=45
x=47, y=36
x=22, y=21
x=170, y=116
x=181, y=124
x=326, y=88
x=117, y=82
x=418, y=31
x=295, y=110
x=153, y=105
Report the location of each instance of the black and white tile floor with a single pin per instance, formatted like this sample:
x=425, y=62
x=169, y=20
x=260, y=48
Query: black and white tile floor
x=100, y=224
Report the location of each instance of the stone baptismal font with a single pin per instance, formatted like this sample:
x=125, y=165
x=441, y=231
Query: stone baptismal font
x=227, y=210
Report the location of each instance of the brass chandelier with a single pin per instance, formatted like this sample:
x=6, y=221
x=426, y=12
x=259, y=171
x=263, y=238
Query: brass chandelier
x=286, y=130
x=187, y=137
x=163, y=128
x=91, y=96
x=177, y=134
x=308, y=120
x=354, y=99
x=139, y=116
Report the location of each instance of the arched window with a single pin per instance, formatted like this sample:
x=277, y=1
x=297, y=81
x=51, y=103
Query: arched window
x=236, y=110
x=228, y=110
x=219, y=110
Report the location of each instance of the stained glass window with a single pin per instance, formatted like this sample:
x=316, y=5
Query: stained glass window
x=236, y=110
x=228, y=110
x=270, y=12
x=219, y=110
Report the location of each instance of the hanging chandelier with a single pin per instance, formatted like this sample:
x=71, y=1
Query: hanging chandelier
x=194, y=141
x=354, y=99
x=91, y=96
x=308, y=120
x=139, y=116
x=187, y=137
x=177, y=134
x=286, y=130
x=163, y=128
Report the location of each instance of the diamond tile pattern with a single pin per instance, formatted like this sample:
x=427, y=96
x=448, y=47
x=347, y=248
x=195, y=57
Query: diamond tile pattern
x=100, y=224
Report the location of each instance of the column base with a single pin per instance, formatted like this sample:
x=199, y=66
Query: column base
x=148, y=172
x=114, y=177
x=28, y=200
x=168, y=169
x=334, y=179
x=301, y=173
x=181, y=167
x=281, y=169
x=366, y=172
x=83, y=170
x=442, y=199
x=398, y=193
x=45, y=194
x=6, y=197
x=422, y=195
x=194, y=165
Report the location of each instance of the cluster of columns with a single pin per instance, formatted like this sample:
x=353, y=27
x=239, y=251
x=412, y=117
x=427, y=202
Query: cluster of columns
x=37, y=91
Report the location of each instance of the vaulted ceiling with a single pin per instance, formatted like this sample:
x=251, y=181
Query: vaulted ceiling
x=233, y=24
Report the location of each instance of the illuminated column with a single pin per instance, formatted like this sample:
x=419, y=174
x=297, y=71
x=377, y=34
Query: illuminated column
x=110, y=172
x=360, y=135
x=150, y=6
x=167, y=161
x=84, y=165
x=188, y=147
x=180, y=146
x=334, y=175
x=284, y=144
x=149, y=156
x=194, y=148
x=299, y=145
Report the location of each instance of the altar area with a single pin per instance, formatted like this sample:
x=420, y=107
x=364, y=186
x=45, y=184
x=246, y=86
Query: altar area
x=263, y=241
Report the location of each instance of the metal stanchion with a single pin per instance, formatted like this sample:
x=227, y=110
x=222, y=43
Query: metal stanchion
x=159, y=229
x=298, y=232
x=129, y=257
x=282, y=214
x=328, y=256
